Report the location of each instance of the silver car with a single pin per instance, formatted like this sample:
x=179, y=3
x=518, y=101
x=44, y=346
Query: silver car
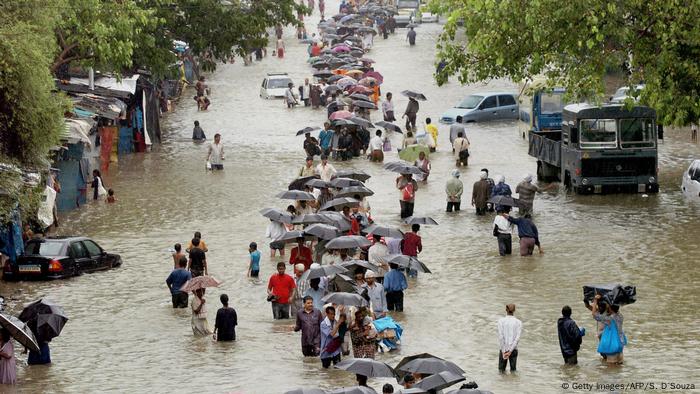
x=482, y=107
x=274, y=85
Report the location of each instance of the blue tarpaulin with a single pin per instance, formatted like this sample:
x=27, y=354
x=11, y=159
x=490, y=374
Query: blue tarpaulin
x=126, y=140
x=11, y=243
x=386, y=323
x=73, y=186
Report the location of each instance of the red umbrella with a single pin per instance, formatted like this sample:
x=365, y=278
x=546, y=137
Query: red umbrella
x=340, y=115
x=375, y=75
x=200, y=282
x=359, y=89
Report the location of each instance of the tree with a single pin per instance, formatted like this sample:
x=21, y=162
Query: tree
x=574, y=44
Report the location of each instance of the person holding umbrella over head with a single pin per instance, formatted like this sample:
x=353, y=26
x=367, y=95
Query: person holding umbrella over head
x=410, y=113
x=200, y=325
x=502, y=230
x=8, y=363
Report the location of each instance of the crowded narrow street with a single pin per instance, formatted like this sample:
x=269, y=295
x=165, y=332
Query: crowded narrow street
x=124, y=335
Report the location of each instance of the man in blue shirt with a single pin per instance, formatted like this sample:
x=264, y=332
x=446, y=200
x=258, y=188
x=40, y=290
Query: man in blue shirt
x=528, y=234
x=176, y=280
x=394, y=285
x=325, y=139
x=331, y=338
x=254, y=266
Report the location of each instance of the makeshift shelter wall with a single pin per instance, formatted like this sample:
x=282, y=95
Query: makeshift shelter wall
x=73, y=185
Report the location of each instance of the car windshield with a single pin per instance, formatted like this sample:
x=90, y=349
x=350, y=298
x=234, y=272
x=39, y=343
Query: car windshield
x=552, y=103
x=278, y=83
x=407, y=4
x=598, y=133
x=45, y=248
x=470, y=102
x=637, y=133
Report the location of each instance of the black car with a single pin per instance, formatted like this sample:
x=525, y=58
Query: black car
x=60, y=257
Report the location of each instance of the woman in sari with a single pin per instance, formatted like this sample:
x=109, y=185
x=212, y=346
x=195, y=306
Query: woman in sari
x=200, y=325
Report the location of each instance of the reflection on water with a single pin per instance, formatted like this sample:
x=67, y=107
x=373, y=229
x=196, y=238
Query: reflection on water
x=124, y=336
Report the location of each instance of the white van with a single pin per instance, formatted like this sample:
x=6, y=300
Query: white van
x=691, y=181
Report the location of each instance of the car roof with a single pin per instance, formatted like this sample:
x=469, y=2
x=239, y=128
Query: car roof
x=277, y=75
x=60, y=238
x=492, y=94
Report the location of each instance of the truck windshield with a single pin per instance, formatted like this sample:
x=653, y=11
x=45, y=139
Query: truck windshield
x=598, y=133
x=44, y=248
x=407, y=4
x=552, y=103
x=637, y=133
x=470, y=102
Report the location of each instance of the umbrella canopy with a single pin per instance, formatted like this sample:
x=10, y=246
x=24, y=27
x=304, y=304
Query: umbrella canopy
x=310, y=218
x=360, y=96
x=340, y=48
x=374, y=74
x=333, y=88
x=44, y=318
x=353, y=174
x=352, y=265
x=414, y=95
x=348, y=242
x=407, y=262
x=340, y=202
x=364, y=104
x=348, y=18
x=366, y=60
x=507, y=201
x=367, y=81
x=354, y=73
x=337, y=220
x=317, y=183
x=345, y=82
x=389, y=126
x=342, y=122
x=427, y=363
x=411, y=152
x=352, y=191
x=347, y=299
x=320, y=65
x=343, y=284
x=383, y=231
x=402, y=168
x=299, y=183
x=340, y=115
x=345, y=182
x=296, y=195
x=307, y=129
x=277, y=215
x=292, y=236
x=323, y=271
x=359, y=89
x=362, y=121
x=200, y=282
x=367, y=367
x=322, y=230
x=20, y=331
x=323, y=74
x=440, y=380
x=306, y=391
x=420, y=220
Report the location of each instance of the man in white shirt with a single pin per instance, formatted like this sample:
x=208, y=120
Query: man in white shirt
x=509, y=331
x=377, y=253
x=375, y=146
x=388, y=109
x=377, y=297
x=324, y=170
x=215, y=156
x=503, y=230
x=289, y=96
x=305, y=91
x=455, y=128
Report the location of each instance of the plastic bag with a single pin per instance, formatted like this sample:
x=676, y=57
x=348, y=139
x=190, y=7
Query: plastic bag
x=387, y=145
x=615, y=294
x=610, y=340
x=208, y=165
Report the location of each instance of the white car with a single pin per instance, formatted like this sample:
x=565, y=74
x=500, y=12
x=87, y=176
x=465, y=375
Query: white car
x=429, y=17
x=691, y=180
x=274, y=85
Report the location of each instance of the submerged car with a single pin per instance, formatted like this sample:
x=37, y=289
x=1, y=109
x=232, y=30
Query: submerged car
x=274, y=85
x=691, y=181
x=483, y=107
x=60, y=257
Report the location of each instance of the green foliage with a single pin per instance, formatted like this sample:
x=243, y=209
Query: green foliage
x=573, y=43
x=31, y=115
x=16, y=194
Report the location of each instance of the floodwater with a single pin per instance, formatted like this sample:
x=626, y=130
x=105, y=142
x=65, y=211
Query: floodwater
x=123, y=335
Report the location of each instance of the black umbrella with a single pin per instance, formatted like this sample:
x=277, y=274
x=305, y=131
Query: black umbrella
x=340, y=202
x=343, y=284
x=322, y=231
x=415, y=95
x=337, y=220
x=323, y=271
x=402, y=168
x=307, y=129
x=318, y=183
x=389, y=126
x=343, y=122
x=352, y=265
x=506, y=201
x=383, y=231
x=410, y=262
x=44, y=318
x=440, y=381
x=353, y=191
x=347, y=299
x=277, y=215
x=367, y=367
x=428, y=364
x=420, y=220
x=323, y=74
x=291, y=236
x=333, y=88
x=20, y=331
x=353, y=174
x=306, y=391
x=364, y=104
x=309, y=218
x=320, y=65
x=348, y=242
x=299, y=183
x=360, y=96
x=361, y=121
x=296, y=195
x=345, y=182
